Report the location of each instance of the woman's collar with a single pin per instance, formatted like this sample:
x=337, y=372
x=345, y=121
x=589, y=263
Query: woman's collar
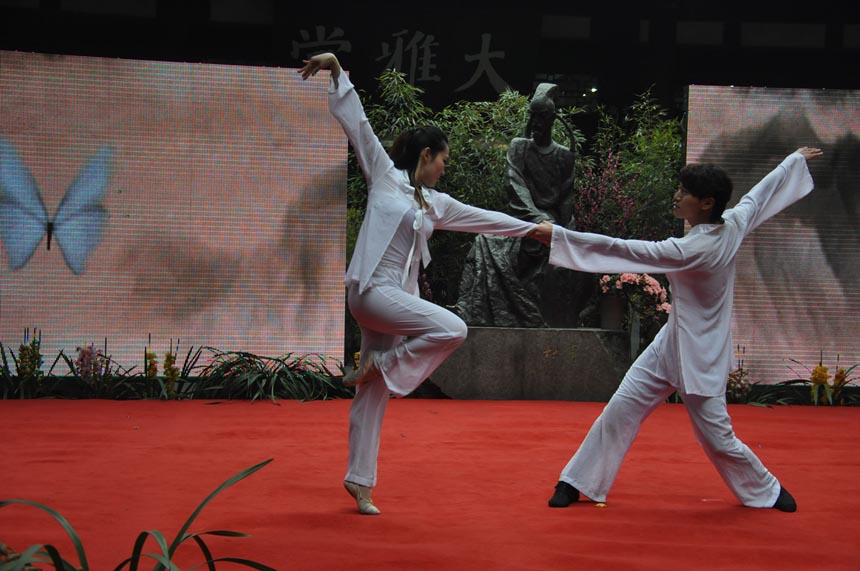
x=409, y=190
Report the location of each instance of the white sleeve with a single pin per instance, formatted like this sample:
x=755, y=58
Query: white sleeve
x=596, y=253
x=782, y=187
x=455, y=215
x=345, y=105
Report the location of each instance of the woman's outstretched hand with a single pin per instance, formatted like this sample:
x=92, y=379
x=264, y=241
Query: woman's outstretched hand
x=322, y=61
x=542, y=233
x=810, y=153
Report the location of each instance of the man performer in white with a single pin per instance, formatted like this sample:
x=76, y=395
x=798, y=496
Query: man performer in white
x=692, y=353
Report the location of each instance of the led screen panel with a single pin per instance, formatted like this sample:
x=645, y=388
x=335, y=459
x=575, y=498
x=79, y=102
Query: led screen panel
x=196, y=204
x=797, y=294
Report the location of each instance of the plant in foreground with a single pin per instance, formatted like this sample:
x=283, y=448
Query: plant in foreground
x=822, y=385
x=30, y=357
x=46, y=553
x=238, y=374
x=738, y=385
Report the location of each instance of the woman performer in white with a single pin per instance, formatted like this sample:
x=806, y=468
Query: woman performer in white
x=692, y=353
x=403, y=337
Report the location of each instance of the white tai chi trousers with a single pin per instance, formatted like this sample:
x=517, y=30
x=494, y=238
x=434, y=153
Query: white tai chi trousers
x=411, y=337
x=593, y=468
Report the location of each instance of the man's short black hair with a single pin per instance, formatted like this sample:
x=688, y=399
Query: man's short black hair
x=708, y=181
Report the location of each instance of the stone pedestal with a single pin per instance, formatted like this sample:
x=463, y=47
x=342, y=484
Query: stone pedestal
x=506, y=363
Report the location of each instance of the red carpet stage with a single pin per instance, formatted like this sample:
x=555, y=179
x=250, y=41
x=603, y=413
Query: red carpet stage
x=463, y=485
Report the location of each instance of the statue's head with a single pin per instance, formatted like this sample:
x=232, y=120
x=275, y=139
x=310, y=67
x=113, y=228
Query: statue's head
x=541, y=112
x=543, y=105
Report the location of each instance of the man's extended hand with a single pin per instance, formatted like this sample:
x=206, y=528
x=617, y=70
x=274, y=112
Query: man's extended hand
x=542, y=233
x=810, y=153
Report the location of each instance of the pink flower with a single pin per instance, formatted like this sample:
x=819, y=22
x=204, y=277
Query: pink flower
x=650, y=281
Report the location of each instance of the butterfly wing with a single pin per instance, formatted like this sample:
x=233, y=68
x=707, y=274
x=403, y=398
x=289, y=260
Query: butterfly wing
x=23, y=218
x=81, y=215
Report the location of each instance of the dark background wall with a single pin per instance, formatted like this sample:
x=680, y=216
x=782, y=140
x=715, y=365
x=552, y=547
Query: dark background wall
x=597, y=51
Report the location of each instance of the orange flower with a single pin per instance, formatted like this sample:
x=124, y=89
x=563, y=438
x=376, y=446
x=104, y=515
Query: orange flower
x=820, y=375
x=840, y=379
x=150, y=364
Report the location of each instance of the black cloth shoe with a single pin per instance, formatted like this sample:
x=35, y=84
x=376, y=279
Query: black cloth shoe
x=785, y=501
x=564, y=495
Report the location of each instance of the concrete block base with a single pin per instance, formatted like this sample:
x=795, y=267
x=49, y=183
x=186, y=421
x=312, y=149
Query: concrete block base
x=506, y=363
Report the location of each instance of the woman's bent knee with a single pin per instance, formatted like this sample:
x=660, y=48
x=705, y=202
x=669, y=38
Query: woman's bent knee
x=460, y=332
x=453, y=334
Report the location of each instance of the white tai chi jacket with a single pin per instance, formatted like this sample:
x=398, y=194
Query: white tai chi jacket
x=390, y=196
x=695, y=345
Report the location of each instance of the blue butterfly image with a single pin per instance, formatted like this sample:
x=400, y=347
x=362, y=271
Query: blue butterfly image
x=79, y=220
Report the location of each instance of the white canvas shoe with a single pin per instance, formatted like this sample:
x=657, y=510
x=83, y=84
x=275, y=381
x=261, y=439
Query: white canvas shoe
x=362, y=498
x=366, y=371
